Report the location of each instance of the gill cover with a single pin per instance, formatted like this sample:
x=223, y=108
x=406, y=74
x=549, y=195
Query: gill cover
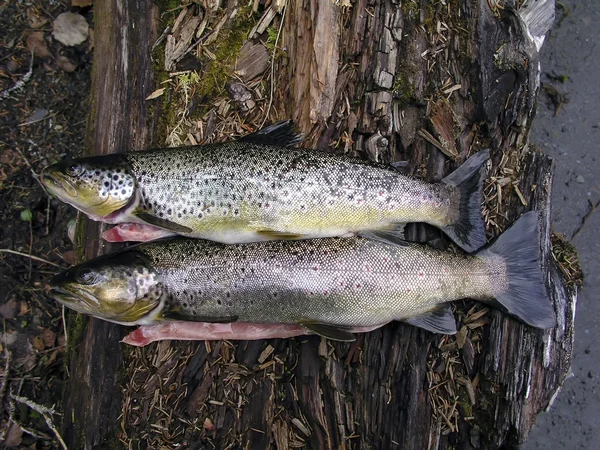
x=121, y=287
x=98, y=185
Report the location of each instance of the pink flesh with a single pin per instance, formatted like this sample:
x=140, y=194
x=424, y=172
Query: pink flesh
x=126, y=232
x=202, y=331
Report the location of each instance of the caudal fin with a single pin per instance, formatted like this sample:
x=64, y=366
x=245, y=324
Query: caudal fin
x=469, y=229
x=523, y=294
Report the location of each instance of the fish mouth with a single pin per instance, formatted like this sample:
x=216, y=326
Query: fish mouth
x=57, y=184
x=61, y=295
x=72, y=299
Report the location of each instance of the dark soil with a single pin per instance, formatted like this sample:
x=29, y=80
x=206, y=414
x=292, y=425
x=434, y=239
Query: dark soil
x=41, y=122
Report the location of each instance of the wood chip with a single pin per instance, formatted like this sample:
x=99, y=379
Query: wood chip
x=157, y=93
x=301, y=427
x=265, y=354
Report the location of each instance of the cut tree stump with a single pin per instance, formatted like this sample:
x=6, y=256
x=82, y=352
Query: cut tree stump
x=420, y=81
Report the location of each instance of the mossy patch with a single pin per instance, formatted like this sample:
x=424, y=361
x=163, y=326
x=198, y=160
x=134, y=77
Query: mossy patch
x=403, y=89
x=566, y=257
x=226, y=48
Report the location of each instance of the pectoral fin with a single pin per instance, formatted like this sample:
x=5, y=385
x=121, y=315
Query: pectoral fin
x=163, y=223
x=333, y=332
x=439, y=320
x=280, y=235
x=178, y=315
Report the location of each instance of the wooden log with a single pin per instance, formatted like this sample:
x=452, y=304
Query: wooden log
x=119, y=119
x=418, y=81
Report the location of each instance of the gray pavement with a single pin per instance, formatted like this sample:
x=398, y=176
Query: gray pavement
x=572, y=138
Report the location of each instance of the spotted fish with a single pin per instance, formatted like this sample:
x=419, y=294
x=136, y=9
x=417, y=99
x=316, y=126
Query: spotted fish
x=254, y=189
x=329, y=286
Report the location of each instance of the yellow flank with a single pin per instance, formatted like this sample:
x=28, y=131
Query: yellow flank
x=345, y=218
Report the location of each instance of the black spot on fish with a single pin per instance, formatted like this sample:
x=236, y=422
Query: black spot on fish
x=219, y=302
x=123, y=191
x=106, y=184
x=115, y=177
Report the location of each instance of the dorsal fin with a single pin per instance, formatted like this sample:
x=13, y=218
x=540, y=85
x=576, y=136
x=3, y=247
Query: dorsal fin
x=281, y=134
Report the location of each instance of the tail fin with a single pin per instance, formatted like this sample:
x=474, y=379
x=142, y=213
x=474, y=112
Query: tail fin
x=469, y=230
x=525, y=295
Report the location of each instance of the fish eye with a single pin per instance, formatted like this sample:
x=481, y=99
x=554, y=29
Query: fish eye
x=74, y=170
x=85, y=276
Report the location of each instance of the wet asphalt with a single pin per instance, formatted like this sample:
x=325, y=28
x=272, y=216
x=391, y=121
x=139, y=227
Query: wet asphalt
x=572, y=138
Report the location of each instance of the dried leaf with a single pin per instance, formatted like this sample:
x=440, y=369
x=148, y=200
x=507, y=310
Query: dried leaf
x=8, y=310
x=208, y=425
x=65, y=64
x=14, y=436
x=37, y=45
x=157, y=93
x=69, y=257
x=49, y=337
x=38, y=343
x=70, y=29
x=35, y=19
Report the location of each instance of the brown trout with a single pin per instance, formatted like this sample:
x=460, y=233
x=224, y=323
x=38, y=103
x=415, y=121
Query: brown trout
x=254, y=190
x=329, y=286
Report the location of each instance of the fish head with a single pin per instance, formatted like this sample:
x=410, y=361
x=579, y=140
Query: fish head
x=121, y=287
x=97, y=186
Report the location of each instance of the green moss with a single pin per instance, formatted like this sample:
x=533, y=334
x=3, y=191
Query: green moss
x=410, y=9
x=431, y=16
x=403, y=89
x=485, y=409
x=465, y=403
x=226, y=49
x=76, y=324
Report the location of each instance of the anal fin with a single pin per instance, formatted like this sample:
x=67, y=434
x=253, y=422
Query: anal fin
x=393, y=235
x=333, y=332
x=163, y=223
x=438, y=320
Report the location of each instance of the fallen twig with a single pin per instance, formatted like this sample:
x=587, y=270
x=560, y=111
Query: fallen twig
x=35, y=258
x=19, y=84
x=45, y=412
x=273, y=65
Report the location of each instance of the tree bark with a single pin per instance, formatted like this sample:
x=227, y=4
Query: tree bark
x=419, y=81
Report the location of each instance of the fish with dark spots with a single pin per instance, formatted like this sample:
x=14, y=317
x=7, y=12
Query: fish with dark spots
x=329, y=286
x=265, y=191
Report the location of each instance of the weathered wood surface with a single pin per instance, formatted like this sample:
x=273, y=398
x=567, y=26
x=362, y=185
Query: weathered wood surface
x=118, y=120
x=425, y=82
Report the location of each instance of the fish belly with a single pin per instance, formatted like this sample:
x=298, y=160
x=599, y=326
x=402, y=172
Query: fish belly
x=349, y=282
